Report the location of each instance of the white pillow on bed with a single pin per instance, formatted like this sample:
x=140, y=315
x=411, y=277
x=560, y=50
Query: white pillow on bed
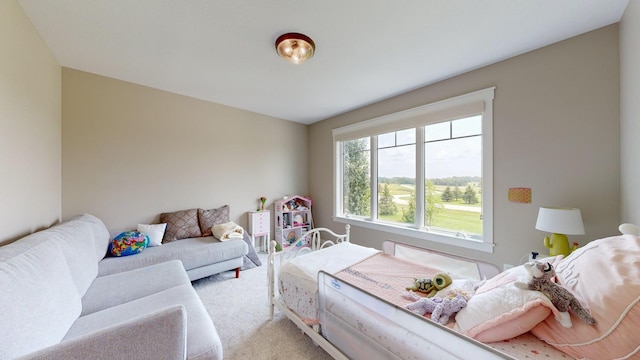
x=499, y=310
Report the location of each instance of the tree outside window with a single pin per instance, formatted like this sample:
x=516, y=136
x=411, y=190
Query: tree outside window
x=356, y=187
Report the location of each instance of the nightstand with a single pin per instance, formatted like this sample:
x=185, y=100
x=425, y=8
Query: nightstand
x=260, y=226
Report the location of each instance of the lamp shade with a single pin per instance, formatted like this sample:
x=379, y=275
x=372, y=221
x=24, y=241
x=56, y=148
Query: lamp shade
x=560, y=220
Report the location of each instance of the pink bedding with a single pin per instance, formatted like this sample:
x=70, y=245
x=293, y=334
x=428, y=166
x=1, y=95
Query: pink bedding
x=386, y=277
x=527, y=346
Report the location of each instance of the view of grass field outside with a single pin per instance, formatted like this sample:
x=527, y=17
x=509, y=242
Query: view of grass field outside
x=457, y=214
x=453, y=183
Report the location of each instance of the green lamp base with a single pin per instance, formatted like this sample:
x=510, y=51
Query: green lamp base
x=558, y=245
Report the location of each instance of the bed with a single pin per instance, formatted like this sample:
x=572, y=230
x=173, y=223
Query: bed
x=325, y=289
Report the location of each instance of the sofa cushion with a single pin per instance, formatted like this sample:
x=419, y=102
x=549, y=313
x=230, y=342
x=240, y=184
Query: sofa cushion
x=38, y=296
x=203, y=340
x=180, y=225
x=98, y=230
x=156, y=335
x=209, y=218
x=193, y=252
x=128, y=243
x=83, y=240
x=115, y=289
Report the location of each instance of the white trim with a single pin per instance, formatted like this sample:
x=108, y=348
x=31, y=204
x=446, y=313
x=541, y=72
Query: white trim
x=420, y=183
x=484, y=95
x=487, y=168
x=373, y=156
x=418, y=234
x=337, y=177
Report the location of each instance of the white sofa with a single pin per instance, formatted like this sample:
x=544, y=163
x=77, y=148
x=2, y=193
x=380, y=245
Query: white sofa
x=54, y=305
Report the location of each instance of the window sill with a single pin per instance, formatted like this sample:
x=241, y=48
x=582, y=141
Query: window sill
x=418, y=234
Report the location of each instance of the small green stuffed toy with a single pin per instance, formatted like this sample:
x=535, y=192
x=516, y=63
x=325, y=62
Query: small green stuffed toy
x=431, y=286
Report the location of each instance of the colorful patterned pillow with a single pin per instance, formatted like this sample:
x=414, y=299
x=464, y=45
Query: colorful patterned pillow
x=128, y=243
x=180, y=225
x=208, y=218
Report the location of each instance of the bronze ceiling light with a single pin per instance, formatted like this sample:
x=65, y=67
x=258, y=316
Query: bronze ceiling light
x=295, y=48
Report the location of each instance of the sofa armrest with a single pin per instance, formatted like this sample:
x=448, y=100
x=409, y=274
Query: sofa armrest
x=158, y=335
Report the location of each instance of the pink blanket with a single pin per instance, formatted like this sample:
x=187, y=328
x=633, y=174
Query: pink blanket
x=386, y=277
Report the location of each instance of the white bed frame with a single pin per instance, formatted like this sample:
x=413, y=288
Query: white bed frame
x=342, y=339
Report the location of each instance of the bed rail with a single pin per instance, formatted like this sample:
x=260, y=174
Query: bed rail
x=460, y=265
x=359, y=325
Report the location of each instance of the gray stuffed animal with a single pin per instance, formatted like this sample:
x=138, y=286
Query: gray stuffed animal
x=561, y=298
x=440, y=308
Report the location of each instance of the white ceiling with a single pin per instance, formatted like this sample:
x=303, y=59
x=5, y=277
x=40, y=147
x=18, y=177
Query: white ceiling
x=367, y=50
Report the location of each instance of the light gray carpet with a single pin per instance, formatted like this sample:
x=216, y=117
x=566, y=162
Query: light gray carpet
x=240, y=311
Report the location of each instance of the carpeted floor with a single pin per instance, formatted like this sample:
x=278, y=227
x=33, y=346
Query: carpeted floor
x=240, y=311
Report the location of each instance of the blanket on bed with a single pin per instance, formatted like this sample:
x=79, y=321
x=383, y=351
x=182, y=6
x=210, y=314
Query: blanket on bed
x=386, y=277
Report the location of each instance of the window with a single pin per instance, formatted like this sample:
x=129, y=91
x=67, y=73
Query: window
x=396, y=175
x=425, y=172
x=357, y=178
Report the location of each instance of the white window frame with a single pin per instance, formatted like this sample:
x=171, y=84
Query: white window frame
x=439, y=111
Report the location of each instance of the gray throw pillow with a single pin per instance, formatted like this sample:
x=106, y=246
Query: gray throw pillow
x=208, y=218
x=180, y=225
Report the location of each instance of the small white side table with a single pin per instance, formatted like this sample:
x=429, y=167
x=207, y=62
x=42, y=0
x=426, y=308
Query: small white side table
x=260, y=226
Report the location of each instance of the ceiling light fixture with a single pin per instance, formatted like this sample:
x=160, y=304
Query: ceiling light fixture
x=295, y=48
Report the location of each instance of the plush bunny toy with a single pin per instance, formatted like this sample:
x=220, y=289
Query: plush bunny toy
x=561, y=298
x=440, y=309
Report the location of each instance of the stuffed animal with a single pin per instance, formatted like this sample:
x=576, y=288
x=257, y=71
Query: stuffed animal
x=441, y=309
x=541, y=275
x=431, y=286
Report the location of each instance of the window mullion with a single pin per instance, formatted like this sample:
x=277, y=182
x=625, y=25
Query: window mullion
x=338, y=185
x=374, y=178
x=420, y=175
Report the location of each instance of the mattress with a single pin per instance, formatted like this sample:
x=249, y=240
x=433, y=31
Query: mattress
x=298, y=277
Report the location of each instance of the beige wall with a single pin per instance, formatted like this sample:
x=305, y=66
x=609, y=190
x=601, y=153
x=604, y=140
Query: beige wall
x=556, y=130
x=630, y=112
x=30, y=158
x=131, y=152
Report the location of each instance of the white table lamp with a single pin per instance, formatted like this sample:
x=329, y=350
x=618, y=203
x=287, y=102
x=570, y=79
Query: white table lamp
x=560, y=221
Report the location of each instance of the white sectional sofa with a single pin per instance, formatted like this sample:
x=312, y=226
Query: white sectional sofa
x=56, y=306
